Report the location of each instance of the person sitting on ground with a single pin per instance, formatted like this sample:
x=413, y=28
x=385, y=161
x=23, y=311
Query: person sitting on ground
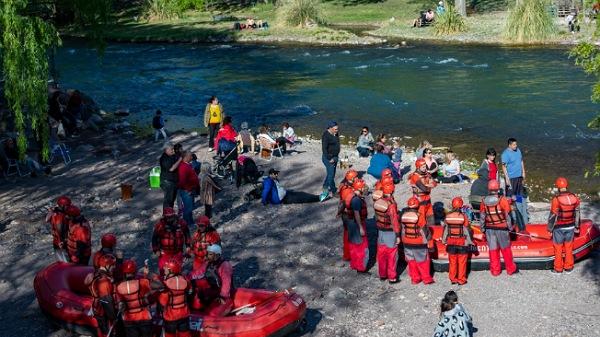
x=432, y=166
x=451, y=170
x=440, y=9
x=288, y=134
x=12, y=153
x=246, y=139
x=454, y=319
x=213, y=283
x=381, y=161
x=225, y=141
x=264, y=133
x=274, y=193
x=424, y=19
x=422, y=147
x=382, y=140
x=208, y=188
x=158, y=123
x=246, y=171
x=364, y=145
x=397, y=154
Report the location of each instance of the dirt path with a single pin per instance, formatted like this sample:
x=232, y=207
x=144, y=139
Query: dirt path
x=280, y=247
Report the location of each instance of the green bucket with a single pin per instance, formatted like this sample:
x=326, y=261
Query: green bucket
x=155, y=177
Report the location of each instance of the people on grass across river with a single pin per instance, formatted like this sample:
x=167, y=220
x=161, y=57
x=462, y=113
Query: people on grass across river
x=563, y=223
x=214, y=115
x=330, y=144
x=364, y=144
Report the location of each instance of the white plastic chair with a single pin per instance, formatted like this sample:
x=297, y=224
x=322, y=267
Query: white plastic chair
x=266, y=145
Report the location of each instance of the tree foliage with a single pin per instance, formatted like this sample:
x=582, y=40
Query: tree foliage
x=530, y=21
x=300, y=13
x=449, y=22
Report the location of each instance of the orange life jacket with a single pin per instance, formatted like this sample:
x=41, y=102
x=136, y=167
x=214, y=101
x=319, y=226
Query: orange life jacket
x=456, y=228
x=101, y=279
x=348, y=209
x=58, y=227
x=495, y=218
x=172, y=241
x=344, y=187
x=79, y=231
x=384, y=221
x=130, y=292
x=176, y=286
x=567, y=204
x=411, y=231
x=201, y=241
x=425, y=179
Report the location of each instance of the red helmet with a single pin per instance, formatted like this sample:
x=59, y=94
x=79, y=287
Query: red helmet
x=561, y=182
x=387, y=181
x=388, y=188
x=106, y=261
x=493, y=185
x=351, y=174
x=386, y=173
x=413, y=203
x=203, y=220
x=73, y=211
x=168, y=211
x=63, y=201
x=174, y=266
x=129, y=267
x=457, y=203
x=108, y=240
x=420, y=162
x=358, y=184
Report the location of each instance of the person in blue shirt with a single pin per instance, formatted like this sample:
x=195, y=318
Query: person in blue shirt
x=440, y=8
x=381, y=161
x=158, y=123
x=274, y=193
x=513, y=168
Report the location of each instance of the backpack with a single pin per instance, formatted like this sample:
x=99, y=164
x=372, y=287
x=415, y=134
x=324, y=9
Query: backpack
x=157, y=123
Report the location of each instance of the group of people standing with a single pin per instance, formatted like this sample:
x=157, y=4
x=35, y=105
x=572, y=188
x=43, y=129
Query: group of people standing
x=123, y=293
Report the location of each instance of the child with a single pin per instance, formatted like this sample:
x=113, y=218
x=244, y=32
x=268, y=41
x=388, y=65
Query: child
x=208, y=187
x=454, y=319
x=396, y=154
x=158, y=123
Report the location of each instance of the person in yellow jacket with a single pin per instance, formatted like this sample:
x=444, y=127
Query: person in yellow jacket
x=213, y=118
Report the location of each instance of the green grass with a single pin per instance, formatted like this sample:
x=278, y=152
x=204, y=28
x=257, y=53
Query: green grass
x=197, y=26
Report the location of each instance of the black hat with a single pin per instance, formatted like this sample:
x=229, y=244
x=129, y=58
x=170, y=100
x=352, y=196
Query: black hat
x=273, y=171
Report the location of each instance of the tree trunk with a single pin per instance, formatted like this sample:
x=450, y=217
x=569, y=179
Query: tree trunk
x=461, y=7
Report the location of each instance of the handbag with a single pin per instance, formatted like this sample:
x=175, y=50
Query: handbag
x=61, y=130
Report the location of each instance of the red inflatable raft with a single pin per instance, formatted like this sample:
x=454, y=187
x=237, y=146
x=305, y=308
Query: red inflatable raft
x=531, y=250
x=63, y=297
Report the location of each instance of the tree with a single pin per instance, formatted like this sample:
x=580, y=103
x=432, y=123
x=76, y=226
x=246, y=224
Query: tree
x=461, y=7
x=530, y=21
x=27, y=35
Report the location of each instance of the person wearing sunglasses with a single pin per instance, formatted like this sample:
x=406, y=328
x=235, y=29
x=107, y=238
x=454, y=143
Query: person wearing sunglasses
x=364, y=146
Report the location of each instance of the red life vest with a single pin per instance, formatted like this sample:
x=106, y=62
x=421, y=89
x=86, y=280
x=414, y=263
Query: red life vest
x=425, y=179
x=131, y=293
x=344, y=186
x=411, y=231
x=76, y=231
x=172, y=241
x=495, y=218
x=100, y=278
x=58, y=227
x=202, y=240
x=348, y=209
x=176, y=286
x=567, y=205
x=384, y=221
x=456, y=228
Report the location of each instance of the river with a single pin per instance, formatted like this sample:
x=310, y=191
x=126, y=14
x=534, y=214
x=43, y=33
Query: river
x=465, y=97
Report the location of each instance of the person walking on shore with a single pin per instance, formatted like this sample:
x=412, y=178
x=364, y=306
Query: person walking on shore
x=158, y=123
x=169, y=163
x=213, y=118
x=563, y=223
x=330, y=143
x=513, y=168
x=187, y=186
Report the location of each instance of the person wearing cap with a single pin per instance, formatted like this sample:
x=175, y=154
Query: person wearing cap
x=496, y=224
x=440, y=9
x=204, y=236
x=169, y=237
x=355, y=209
x=245, y=139
x=274, y=193
x=212, y=282
x=563, y=223
x=330, y=144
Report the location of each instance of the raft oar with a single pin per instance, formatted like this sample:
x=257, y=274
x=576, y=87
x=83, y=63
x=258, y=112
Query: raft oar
x=531, y=236
x=277, y=293
x=114, y=323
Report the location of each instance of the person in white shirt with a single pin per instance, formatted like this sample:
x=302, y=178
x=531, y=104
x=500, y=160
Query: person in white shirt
x=288, y=134
x=263, y=132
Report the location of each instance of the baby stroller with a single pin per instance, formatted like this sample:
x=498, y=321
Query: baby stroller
x=246, y=171
x=224, y=164
x=256, y=192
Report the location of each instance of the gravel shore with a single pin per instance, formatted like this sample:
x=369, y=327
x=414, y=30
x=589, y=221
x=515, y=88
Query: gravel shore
x=277, y=247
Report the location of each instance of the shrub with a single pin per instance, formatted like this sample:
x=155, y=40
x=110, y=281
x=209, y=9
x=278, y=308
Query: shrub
x=162, y=9
x=530, y=21
x=449, y=22
x=299, y=13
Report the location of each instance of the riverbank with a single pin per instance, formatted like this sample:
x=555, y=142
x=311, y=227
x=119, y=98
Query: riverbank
x=348, y=23
x=277, y=247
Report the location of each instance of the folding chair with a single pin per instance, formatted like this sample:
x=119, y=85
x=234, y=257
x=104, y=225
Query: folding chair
x=267, y=147
x=13, y=165
x=60, y=149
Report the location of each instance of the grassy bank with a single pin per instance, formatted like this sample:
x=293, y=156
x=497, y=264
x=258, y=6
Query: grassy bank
x=391, y=19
